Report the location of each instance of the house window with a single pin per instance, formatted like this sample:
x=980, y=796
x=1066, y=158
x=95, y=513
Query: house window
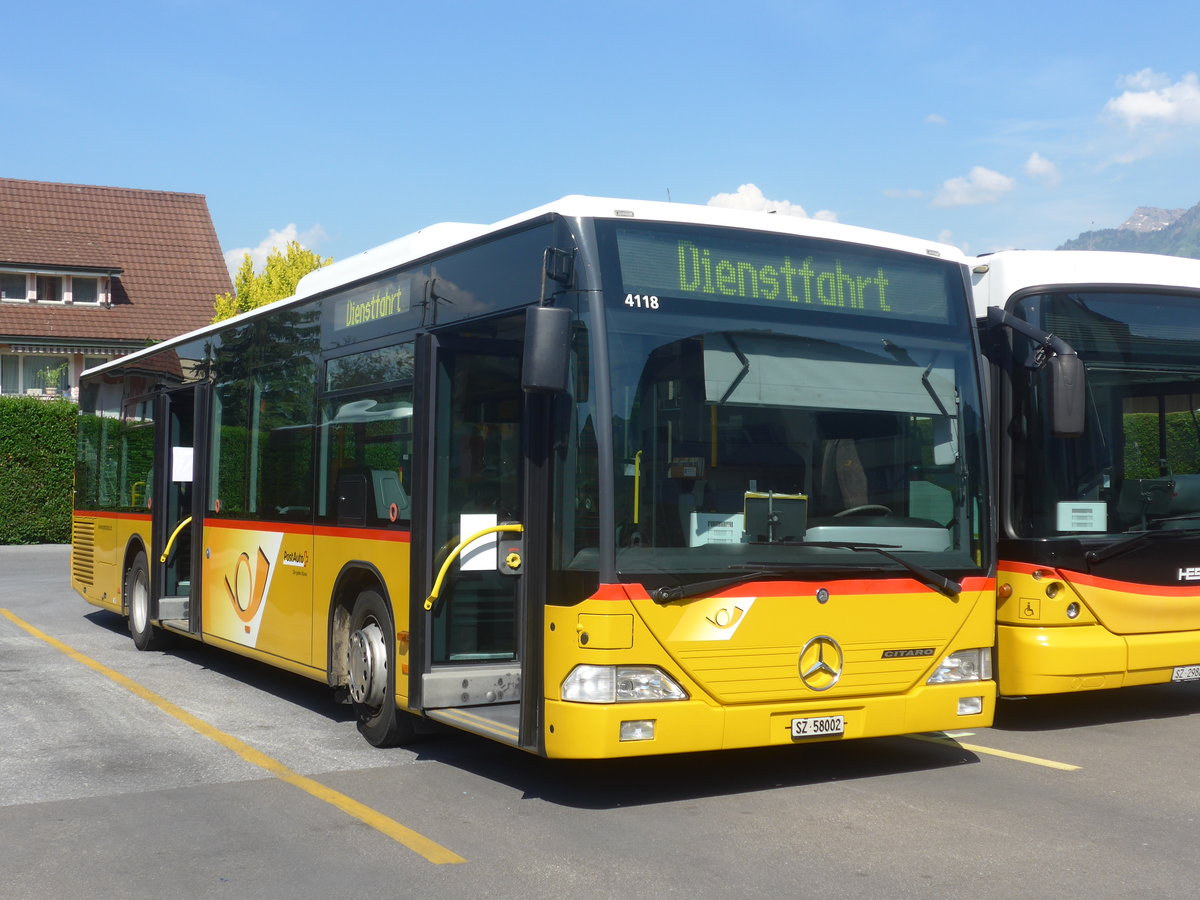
x=10, y=375
x=49, y=289
x=45, y=374
x=35, y=373
x=85, y=290
x=12, y=287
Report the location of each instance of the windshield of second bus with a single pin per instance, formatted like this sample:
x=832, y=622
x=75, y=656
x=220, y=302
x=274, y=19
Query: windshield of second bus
x=1137, y=465
x=754, y=428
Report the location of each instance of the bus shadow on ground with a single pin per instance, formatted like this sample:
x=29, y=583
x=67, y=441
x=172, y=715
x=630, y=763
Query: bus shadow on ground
x=595, y=784
x=311, y=695
x=1055, y=712
x=611, y=784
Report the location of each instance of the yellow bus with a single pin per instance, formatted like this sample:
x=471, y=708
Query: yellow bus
x=607, y=478
x=1099, y=535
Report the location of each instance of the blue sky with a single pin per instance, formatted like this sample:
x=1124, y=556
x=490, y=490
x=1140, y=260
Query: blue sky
x=346, y=125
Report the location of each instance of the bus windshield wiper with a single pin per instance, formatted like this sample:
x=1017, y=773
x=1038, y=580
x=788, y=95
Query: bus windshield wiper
x=1119, y=547
x=770, y=570
x=696, y=588
x=935, y=580
x=1128, y=542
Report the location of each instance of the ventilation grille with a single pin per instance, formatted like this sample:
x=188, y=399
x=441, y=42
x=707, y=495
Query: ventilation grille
x=83, y=551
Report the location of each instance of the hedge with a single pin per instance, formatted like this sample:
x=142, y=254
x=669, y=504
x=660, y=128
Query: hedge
x=1141, y=444
x=37, y=458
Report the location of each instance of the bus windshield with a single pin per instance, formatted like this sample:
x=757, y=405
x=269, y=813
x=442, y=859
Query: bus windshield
x=1137, y=465
x=786, y=403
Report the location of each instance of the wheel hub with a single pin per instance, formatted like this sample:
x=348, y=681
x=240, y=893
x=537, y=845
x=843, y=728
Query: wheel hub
x=368, y=666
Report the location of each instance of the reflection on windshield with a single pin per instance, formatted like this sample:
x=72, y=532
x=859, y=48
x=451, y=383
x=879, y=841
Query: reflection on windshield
x=1137, y=465
x=775, y=449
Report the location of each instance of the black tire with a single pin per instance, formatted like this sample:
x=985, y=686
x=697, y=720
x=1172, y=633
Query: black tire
x=372, y=667
x=137, y=596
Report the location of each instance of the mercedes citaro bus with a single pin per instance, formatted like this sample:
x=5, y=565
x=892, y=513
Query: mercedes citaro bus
x=607, y=478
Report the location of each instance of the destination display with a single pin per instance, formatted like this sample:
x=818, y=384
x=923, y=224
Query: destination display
x=815, y=275
x=369, y=304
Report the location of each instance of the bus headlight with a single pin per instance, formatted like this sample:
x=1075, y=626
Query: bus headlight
x=620, y=684
x=964, y=665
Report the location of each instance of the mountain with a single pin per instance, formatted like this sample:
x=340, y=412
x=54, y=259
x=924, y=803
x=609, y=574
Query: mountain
x=1175, y=232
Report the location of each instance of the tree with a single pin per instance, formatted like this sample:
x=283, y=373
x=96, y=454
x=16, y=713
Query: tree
x=277, y=280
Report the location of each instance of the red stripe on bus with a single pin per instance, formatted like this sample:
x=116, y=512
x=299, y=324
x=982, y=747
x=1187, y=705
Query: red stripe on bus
x=1107, y=584
x=370, y=534
x=902, y=585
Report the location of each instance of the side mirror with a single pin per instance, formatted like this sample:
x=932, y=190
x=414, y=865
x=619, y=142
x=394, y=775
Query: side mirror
x=1067, y=395
x=546, y=365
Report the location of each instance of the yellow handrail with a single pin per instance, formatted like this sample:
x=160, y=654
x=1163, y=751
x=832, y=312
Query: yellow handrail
x=174, y=534
x=432, y=599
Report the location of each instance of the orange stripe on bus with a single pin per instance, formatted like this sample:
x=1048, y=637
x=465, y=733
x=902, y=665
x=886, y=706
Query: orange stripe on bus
x=1108, y=584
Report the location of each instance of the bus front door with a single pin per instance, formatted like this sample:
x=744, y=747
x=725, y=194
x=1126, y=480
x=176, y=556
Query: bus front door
x=475, y=672
x=174, y=512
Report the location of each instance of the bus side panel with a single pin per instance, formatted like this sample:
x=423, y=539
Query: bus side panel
x=258, y=587
x=385, y=552
x=100, y=541
x=95, y=558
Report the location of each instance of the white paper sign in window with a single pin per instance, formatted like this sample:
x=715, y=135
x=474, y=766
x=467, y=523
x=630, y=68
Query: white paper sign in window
x=1082, y=515
x=480, y=555
x=181, y=464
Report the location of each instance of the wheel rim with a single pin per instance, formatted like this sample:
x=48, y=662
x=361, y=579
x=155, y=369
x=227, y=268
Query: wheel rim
x=368, y=665
x=139, y=603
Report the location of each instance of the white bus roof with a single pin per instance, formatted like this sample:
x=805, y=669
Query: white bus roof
x=997, y=276
x=446, y=235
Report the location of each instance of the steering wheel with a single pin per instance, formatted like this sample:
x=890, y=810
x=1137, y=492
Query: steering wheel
x=866, y=507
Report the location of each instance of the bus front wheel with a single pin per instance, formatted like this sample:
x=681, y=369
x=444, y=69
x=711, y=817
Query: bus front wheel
x=137, y=592
x=372, y=673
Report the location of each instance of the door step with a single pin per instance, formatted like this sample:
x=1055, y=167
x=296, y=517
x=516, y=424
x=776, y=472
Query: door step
x=472, y=685
x=500, y=722
x=173, y=608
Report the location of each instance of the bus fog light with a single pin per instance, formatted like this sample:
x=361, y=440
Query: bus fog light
x=1072, y=610
x=970, y=706
x=638, y=730
x=964, y=665
x=620, y=684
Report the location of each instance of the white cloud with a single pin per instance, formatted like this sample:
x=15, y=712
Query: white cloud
x=946, y=236
x=980, y=186
x=1043, y=170
x=750, y=197
x=274, y=239
x=1151, y=97
x=935, y=119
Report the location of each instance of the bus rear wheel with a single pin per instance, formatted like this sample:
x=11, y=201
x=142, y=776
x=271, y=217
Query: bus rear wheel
x=372, y=673
x=137, y=592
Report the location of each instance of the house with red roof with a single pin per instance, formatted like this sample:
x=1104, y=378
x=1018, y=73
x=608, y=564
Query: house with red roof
x=89, y=273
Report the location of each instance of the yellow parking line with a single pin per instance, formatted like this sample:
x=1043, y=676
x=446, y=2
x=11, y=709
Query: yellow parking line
x=416, y=842
x=976, y=748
